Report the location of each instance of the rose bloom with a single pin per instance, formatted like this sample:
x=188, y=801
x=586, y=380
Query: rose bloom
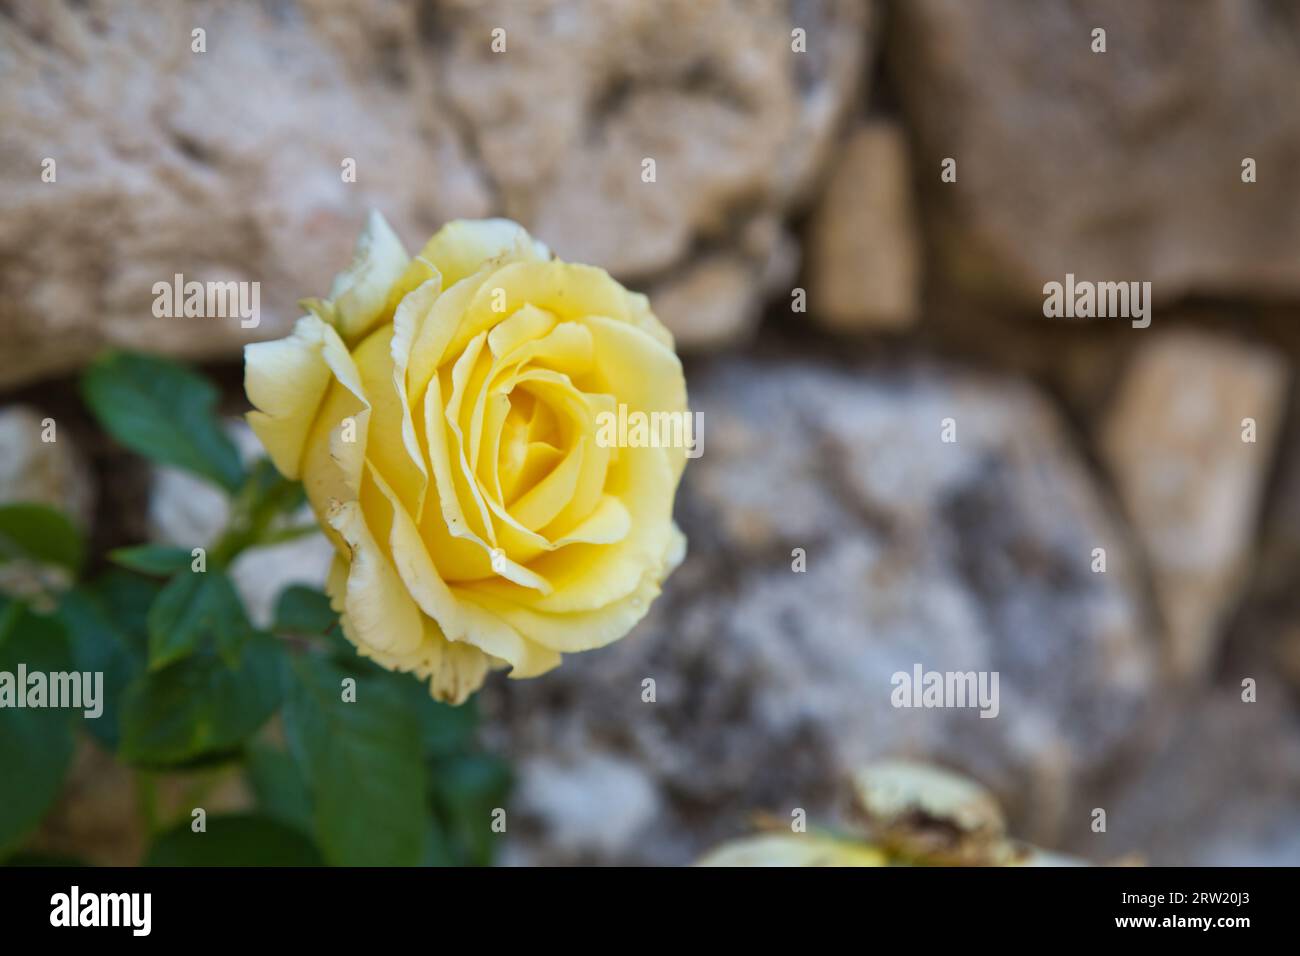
x=442, y=415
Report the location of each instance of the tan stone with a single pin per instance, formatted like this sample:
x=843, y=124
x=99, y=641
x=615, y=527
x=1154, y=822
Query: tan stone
x=1116, y=166
x=864, y=254
x=710, y=303
x=1190, y=484
x=587, y=90
x=227, y=165
x=222, y=166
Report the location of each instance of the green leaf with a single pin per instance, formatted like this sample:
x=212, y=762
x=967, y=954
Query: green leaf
x=162, y=411
x=127, y=598
x=444, y=730
x=192, y=608
x=155, y=559
x=35, y=743
x=279, y=786
x=303, y=610
x=234, y=840
x=177, y=620
x=437, y=849
x=199, y=707
x=98, y=645
x=10, y=612
x=467, y=789
x=363, y=764
x=42, y=534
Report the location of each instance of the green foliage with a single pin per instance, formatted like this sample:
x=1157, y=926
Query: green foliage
x=200, y=707
x=163, y=411
x=100, y=642
x=279, y=786
x=35, y=743
x=384, y=776
x=126, y=598
x=194, y=608
x=155, y=559
x=300, y=610
x=469, y=787
x=256, y=512
x=362, y=762
x=41, y=534
x=234, y=840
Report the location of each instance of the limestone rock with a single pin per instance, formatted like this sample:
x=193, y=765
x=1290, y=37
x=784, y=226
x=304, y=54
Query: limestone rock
x=1122, y=165
x=772, y=686
x=711, y=303
x=225, y=165
x=586, y=91
x=230, y=164
x=864, y=248
x=1217, y=790
x=595, y=805
x=1192, y=486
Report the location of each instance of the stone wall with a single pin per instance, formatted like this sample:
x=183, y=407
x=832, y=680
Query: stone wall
x=838, y=298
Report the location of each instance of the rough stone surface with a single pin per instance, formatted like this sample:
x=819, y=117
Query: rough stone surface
x=1266, y=630
x=1218, y=790
x=1173, y=439
x=772, y=686
x=601, y=804
x=222, y=165
x=33, y=470
x=227, y=165
x=1123, y=165
x=735, y=121
x=864, y=249
x=712, y=303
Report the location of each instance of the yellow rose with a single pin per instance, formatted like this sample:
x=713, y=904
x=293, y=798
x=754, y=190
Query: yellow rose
x=793, y=849
x=444, y=415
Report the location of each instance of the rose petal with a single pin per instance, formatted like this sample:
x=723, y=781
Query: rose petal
x=380, y=613
x=463, y=246
x=640, y=372
x=359, y=297
x=414, y=308
x=286, y=380
x=584, y=630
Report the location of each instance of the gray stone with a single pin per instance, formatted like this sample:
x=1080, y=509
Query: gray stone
x=772, y=686
x=1123, y=165
x=1217, y=789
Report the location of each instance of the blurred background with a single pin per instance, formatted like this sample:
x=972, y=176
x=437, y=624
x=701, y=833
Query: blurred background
x=835, y=300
